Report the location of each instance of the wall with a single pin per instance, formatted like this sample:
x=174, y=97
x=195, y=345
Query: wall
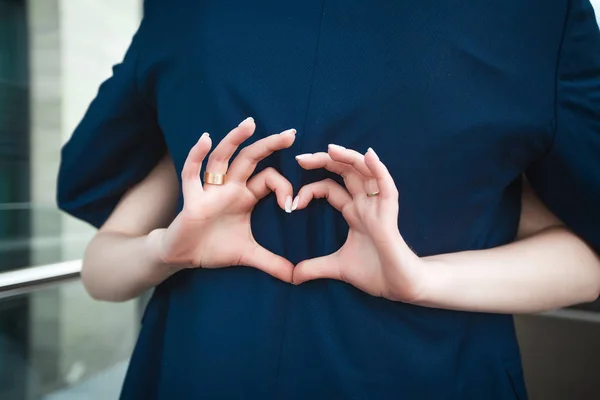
x=73, y=46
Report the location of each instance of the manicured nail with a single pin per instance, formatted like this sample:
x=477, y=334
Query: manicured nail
x=288, y=204
x=373, y=152
x=249, y=119
x=295, y=203
x=205, y=134
x=292, y=131
x=337, y=146
x=301, y=156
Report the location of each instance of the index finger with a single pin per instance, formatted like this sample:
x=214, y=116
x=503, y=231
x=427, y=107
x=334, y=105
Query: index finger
x=352, y=178
x=245, y=163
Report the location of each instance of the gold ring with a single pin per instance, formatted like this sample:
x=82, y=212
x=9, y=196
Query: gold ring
x=373, y=194
x=214, y=179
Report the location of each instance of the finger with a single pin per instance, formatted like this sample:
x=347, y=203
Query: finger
x=335, y=194
x=350, y=157
x=190, y=173
x=317, y=268
x=219, y=158
x=246, y=161
x=353, y=180
x=270, y=180
x=323, y=160
x=266, y=261
x=386, y=184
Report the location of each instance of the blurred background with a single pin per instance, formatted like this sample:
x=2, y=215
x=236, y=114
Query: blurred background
x=57, y=343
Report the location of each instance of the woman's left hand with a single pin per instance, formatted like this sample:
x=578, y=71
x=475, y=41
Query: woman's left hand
x=374, y=258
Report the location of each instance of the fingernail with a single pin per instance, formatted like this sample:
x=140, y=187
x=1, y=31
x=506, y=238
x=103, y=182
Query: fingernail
x=295, y=203
x=337, y=146
x=246, y=120
x=288, y=204
x=301, y=156
x=373, y=151
x=205, y=134
x=292, y=131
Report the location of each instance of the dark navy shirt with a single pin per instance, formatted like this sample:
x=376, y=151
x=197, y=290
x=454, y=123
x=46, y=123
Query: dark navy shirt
x=459, y=99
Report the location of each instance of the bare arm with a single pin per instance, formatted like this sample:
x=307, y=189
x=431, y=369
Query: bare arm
x=120, y=263
x=144, y=241
x=547, y=267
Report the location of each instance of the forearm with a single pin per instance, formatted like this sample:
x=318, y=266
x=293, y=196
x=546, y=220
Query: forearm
x=549, y=270
x=117, y=267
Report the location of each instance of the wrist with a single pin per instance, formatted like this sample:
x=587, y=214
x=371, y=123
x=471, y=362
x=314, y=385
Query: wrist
x=154, y=246
x=416, y=278
x=429, y=282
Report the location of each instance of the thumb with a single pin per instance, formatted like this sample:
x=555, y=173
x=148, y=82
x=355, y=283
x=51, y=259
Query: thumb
x=271, y=263
x=324, y=267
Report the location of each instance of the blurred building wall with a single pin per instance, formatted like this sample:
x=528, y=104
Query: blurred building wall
x=72, y=47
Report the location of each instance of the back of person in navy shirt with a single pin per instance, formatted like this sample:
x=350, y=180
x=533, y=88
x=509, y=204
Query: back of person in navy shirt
x=414, y=173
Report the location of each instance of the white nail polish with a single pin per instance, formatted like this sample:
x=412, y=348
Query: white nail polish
x=295, y=203
x=337, y=146
x=249, y=119
x=373, y=151
x=292, y=131
x=301, y=156
x=288, y=204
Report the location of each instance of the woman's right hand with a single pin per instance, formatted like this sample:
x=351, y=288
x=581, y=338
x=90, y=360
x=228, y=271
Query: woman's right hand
x=213, y=229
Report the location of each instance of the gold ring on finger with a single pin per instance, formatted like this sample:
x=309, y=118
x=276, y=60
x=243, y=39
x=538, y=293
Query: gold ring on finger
x=215, y=179
x=373, y=194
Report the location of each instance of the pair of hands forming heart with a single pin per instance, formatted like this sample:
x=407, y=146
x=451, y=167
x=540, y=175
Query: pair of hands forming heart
x=213, y=229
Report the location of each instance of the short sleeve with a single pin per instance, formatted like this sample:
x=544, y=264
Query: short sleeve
x=115, y=146
x=567, y=177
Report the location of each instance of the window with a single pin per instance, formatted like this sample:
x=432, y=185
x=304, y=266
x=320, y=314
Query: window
x=55, y=342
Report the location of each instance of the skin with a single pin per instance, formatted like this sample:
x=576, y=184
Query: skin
x=143, y=243
x=547, y=267
x=140, y=234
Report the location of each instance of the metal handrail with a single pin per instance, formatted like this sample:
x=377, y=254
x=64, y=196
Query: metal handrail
x=27, y=280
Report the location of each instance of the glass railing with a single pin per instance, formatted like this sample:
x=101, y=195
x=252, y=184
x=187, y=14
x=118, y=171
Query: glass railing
x=57, y=343
x=39, y=234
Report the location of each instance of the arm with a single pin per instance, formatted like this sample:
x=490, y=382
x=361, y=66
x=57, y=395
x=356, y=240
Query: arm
x=144, y=242
x=115, y=146
x=121, y=261
x=547, y=267
x=540, y=271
